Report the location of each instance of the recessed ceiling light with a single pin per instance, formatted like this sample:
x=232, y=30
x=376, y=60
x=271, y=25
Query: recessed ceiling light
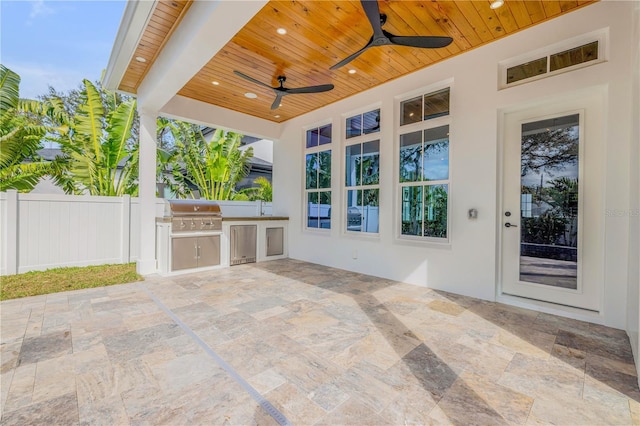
x=251, y=95
x=281, y=31
x=141, y=59
x=215, y=83
x=352, y=71
x=496, y=4
x=277, y=116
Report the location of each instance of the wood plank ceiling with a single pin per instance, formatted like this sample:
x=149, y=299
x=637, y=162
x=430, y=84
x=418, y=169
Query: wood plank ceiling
x=164, y=20
x=320, y=34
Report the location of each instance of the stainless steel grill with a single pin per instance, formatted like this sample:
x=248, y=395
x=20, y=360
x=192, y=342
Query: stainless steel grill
x=193, y=215
x=196, y=227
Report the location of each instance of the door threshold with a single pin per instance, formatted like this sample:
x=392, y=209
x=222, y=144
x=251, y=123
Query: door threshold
x=572, y=312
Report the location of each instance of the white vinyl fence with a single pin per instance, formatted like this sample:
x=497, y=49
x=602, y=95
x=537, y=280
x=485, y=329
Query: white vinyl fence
x=43, y=231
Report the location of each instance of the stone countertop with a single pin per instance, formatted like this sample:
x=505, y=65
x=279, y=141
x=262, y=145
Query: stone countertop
x=233, y=219
x=253, y=218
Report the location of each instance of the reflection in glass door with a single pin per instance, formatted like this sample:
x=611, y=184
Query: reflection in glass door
x=549, y=202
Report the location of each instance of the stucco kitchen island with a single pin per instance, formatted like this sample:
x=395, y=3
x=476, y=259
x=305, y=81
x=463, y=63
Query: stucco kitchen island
x=270, y=238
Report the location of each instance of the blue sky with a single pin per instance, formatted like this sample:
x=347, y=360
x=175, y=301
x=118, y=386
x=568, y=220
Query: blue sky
x=57, y=43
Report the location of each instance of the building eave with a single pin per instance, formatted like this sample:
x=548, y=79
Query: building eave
x=134, y=21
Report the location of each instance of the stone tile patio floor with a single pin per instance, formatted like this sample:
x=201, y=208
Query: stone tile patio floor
x=321, y=345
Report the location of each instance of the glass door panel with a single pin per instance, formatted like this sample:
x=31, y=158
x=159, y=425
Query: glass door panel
x=549, y=157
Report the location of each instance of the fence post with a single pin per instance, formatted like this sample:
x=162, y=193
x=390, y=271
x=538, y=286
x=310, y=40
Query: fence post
x=125, y=237
x=11, y=232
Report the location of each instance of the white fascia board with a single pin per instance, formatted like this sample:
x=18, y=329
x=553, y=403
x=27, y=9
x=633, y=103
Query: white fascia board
x=134, y=21
x=193, y=111
x=204, y=31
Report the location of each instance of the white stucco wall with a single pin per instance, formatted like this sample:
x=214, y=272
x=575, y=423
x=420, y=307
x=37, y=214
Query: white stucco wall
x=468, y=265
x=633, y=299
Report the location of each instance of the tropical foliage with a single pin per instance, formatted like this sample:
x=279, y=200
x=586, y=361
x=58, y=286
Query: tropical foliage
x=97, y=132
x=558, y=224
x=101, y=152
x=263, y=191
x=424, y=210
x=212, y=168
x=20, y=138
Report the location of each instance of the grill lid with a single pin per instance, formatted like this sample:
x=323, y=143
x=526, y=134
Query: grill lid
x=174, y=208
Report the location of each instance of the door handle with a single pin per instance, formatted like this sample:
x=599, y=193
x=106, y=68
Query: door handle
x=509, y=225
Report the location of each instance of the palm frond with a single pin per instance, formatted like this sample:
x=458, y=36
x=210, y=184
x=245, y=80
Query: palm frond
x=88, y=119
x=19, y=143
x=9, y=89
x=119, y=131
x=23, y=177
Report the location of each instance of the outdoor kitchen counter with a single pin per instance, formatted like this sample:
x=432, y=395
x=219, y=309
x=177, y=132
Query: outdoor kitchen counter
x=253, y=218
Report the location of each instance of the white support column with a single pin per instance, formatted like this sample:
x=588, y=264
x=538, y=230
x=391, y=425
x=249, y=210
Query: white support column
x=147, y=192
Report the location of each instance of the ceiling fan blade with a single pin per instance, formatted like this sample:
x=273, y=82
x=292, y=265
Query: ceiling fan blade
x=311, y=89
x=351, y=57
x=427, y=42
x=276, y=102
x=372, y=11
x=253, y=80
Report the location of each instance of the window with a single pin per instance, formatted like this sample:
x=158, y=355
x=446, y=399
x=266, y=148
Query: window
x=527, y=70
x=362, y=165
x=579, y=52
x=362, y=172
x=363, y=124
x=575, y=56
x=319, y=136
x=425, y=107
x=424, y=166
x=318, y=178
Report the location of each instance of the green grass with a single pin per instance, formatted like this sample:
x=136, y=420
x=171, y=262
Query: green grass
x=65, y=279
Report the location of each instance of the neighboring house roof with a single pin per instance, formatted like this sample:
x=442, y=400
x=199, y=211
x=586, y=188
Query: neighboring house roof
x=260, y=163
x=50, y=154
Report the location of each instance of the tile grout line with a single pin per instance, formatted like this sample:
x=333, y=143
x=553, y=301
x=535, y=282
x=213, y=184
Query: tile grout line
x=266, y=405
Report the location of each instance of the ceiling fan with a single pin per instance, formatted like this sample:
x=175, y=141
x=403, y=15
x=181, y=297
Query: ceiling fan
x=381, y=37
x=281, y=91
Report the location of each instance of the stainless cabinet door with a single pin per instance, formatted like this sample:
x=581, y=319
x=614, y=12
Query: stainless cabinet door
x=184, y=253
x=243, y=244
x=209, y=249
x=275, y=241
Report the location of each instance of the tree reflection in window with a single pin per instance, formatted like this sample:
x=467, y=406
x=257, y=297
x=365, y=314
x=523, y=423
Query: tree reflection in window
x=362, y=167
x=318, y=177
x=549, y=190
x=424, y=174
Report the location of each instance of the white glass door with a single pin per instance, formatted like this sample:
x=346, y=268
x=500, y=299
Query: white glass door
x=551, y=238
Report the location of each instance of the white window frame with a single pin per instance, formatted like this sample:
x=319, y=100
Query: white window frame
x=313, y=150
x=359, y=140
x=601, y=36
x=415, y=127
